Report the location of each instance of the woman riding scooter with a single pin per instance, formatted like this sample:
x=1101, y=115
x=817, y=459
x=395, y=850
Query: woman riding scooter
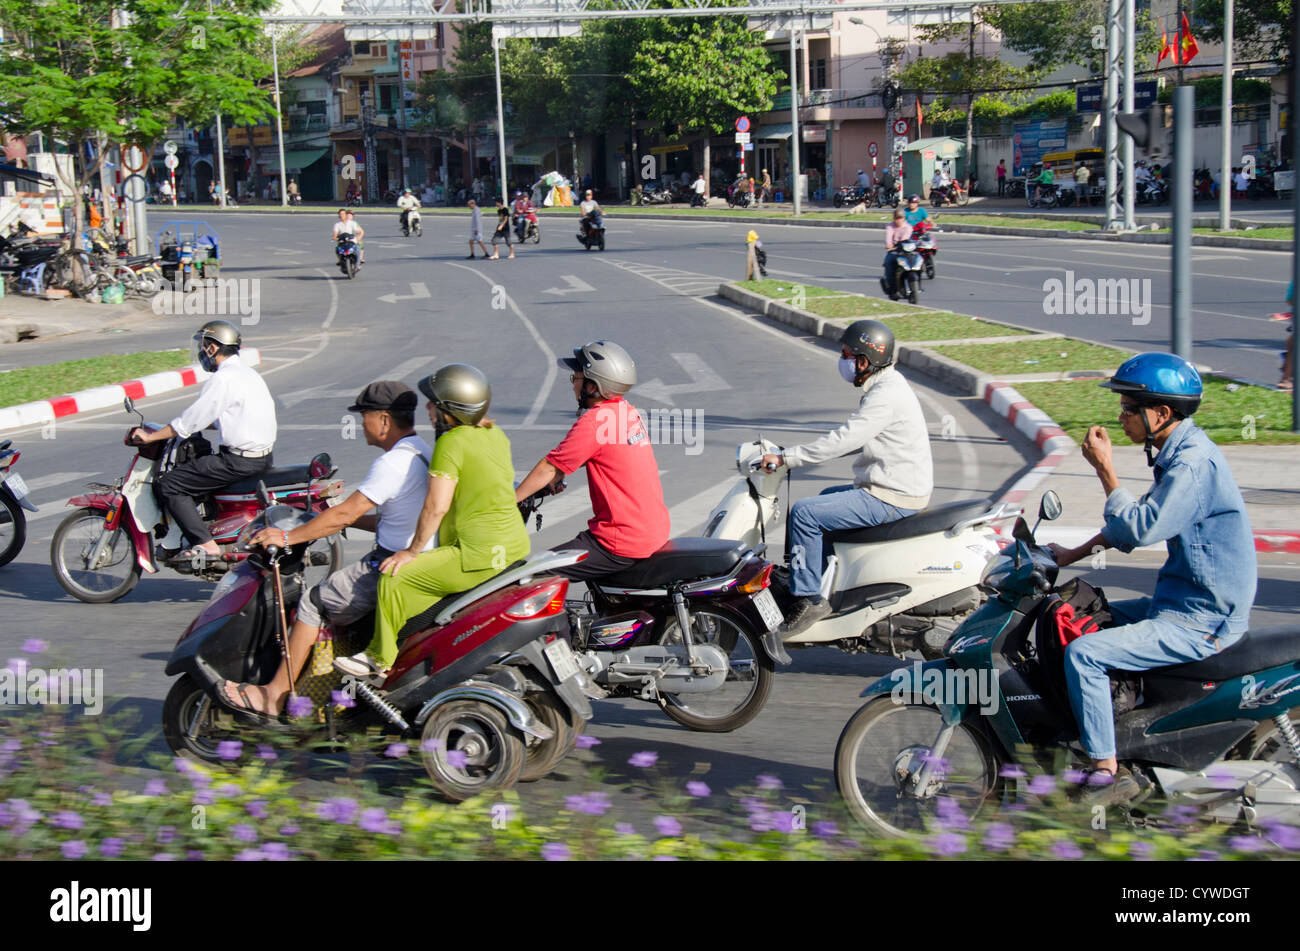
x=896, y=233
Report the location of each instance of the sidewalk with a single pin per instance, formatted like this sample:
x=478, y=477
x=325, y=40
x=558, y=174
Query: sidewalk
x=23, y=317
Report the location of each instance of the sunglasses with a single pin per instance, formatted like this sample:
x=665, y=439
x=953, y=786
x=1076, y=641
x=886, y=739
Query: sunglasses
x=1129, y=409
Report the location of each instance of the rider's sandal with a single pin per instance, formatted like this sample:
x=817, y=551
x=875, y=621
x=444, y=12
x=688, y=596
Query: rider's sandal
x=246, y=708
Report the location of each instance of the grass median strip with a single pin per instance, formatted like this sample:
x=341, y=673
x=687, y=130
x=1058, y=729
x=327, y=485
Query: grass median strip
x=1056, y=355
x=29, y=384
x=1231, y=414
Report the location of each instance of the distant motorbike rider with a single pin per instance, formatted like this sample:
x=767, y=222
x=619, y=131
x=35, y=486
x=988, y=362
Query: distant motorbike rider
x=347, y=224
x=1046, y=179
x=893, y=475
x=915, y=214
x=236, y=401
x=1204, y=592
x=630, y=519
x=700, y=190
x=524, y=213
x=895, y=234
x=591, y=213
x=407, y=203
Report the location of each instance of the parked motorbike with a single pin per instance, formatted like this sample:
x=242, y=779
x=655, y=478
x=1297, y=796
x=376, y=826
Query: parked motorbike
x=923, y=235
x=346, y=253
x=902, y=586
x=354, y=200
x=485, y=681
x=13, y=499
x=100, y=550
x=849, y=195
x=293, y=199
x=411, y=222
x=908, y=267
x=589, y=234
x=656, y=195
x=1215, y=735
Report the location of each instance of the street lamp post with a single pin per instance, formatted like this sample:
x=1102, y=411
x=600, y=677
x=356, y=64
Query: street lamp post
x=573, y=150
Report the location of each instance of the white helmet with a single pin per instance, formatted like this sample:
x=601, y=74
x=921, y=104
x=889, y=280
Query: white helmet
x=606, y=364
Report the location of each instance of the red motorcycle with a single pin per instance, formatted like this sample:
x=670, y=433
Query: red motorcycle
x=100, y=550
x=922, y=234
x=485, y=689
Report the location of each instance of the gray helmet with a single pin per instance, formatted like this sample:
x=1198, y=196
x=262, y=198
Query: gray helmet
x=870, y=339
x=459, y=390
x=605, y=364
x=221, y=332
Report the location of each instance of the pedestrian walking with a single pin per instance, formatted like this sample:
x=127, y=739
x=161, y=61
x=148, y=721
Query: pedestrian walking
x=502, y=232
x=475, y=229
x=1002, y=178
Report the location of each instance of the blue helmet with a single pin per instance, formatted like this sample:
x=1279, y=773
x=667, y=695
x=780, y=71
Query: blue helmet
x=1159, y=378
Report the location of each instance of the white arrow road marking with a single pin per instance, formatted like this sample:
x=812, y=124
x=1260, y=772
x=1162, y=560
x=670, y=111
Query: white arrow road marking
x=419, y=291
x=702, y=379
x=576, y=286
x=324, y=392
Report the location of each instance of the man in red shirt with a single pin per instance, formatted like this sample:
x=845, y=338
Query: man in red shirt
x=630, y=520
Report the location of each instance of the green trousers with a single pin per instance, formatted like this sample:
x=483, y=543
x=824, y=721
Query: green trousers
x=417, y=586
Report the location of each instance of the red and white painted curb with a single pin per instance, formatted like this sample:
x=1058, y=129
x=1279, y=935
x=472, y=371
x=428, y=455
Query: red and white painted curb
x=103, y=397
x=1055, y=445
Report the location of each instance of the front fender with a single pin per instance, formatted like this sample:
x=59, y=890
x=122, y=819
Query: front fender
x=919, y=682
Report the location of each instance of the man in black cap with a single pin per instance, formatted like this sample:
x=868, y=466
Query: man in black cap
x=396, y=485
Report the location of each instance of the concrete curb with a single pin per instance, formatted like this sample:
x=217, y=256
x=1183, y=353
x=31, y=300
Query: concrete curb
x=102, y=397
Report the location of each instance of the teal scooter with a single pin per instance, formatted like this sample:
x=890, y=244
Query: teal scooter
x=1216, y=734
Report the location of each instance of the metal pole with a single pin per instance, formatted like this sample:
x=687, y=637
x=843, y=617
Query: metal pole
x=221, y=152
x=501, y=116
x=1225, y=134
x=136, y=189
x=279, y=123
x=1181, y=329
x=401, y=92
x=794, y=126
x=1126, y=145
x=1112, y=106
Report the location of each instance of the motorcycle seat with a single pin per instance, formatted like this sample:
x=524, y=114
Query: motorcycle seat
x=937, y=518
x=681, y=559
x=1257, y=650
x=274, y=479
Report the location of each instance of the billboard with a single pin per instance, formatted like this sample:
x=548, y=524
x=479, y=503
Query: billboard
x=1032, y=140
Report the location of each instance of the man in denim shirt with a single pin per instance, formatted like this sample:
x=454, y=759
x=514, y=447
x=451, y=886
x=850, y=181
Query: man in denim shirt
x=1206, y=587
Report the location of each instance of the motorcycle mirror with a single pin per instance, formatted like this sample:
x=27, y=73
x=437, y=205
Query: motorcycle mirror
x=1050, y=507
x=128, y=404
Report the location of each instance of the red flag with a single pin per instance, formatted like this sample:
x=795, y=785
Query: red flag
x=1166, y=48
x=1187, y=42
x=918, y=116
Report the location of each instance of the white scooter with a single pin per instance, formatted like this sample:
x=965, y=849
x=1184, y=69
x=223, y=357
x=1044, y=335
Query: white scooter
x=902, y=586
x=412, y=223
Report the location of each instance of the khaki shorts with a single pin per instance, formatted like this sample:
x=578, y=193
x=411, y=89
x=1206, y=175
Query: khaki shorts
x=346, y=596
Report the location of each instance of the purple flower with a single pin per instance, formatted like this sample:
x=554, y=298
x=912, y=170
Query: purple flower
x=163, y=857
x=110, y=848
x=101, y=799
x=1012, y=771
x=430, y=746
x=593, y=804
x=227, y=791
x=457, y=759
x=769, y=782
x=1284, y=836
x=300, y=707
x=624, y=828
x=1043, y=784
x=396, y=750
x=999, y=837
x=850, y=844
x=1066, y=850
x=243, y=832
x=249, y=855
x=257, y=808
x=166, y=834
x=229, y=750
x=275, y=852
x=1141, y=850
x=556, y=852
x=376, y=822
x=825, y=830
x=643, y=760
x=950, y=815
x=783, y=822
x=586, y=742
x=75, y=849
x=340, y=809
x=193, y=855
x=760, y=820
x=265, y=752
x=949, y=844
x=12, y=746
x=697, y=788
x=34, y=645
x=196, y=776
x=67, y=820
x=18, y=665
x=668, y=826
x=341, y=699
x=1248, y=843
x=1073, y=777
x=204, y=797
x=155, y=787
x=1181, y=815
x=1206, y=855
x=288, y=829
x=665, y=858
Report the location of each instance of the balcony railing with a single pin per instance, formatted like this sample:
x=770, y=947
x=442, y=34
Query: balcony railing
x=830, y=99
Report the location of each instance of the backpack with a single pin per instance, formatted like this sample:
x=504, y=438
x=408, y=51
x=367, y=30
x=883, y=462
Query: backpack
x=1076, y=610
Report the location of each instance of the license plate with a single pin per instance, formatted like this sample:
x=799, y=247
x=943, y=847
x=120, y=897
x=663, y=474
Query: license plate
x=16, y=485
x=767, y=608
x=560, y=654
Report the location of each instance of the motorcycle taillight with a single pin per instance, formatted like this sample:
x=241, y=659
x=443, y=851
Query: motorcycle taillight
x=542, y=603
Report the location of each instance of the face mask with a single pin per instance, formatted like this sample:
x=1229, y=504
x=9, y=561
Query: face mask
x=848, y=369
x=207, y=361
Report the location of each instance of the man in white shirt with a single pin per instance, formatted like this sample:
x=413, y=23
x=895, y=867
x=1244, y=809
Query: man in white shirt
x=396, y=485
x=236, y=401
x=406, y=204
x=591, y=207
x=347, y=224
x=700, y=187
x=893, y=475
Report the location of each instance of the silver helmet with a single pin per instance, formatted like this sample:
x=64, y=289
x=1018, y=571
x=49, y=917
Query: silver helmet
x=459, y=390
x=606, y=364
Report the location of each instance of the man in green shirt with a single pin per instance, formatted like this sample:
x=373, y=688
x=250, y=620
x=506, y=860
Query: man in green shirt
x=1045, y=177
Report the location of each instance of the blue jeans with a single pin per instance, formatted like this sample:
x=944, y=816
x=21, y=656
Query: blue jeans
x=1143, y=642
x=839, y=507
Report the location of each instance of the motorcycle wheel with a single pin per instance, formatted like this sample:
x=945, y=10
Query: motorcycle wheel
x=184, y=701
x=838, y=201
x=885, y=738
x=352, y=267
x=1265, y=743
x=13, y=527
x=542, y=756
x=72, y=544
x=743, y=693
x=535, y=234
x=324, y=557
x=600, y=241
x=419, y=231
x=929, y=269
x=493, y=750
x=1049, y=201
x=910, y=284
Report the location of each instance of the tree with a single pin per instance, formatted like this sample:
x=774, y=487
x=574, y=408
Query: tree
x=1260, y=28
x=1058, y=34
x=101, y=71
x=439, y=110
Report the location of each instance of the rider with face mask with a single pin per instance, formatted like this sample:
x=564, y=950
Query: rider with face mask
x=630, y=520
x=893, y=475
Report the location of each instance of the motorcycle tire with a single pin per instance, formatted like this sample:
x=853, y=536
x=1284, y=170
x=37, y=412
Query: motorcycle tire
x=352, y=267
x=972, y=777
x=838, y=200
x=535, y=234
x=13, y=527
x=725, y=631
x=929, y=269
x=542, y=756
x=494, y=750
x=1049, y=201
x=1066, y=199
x=184, y=700
x=910, y=284
x=63, y=572
x=419, y=231
x=600, y=241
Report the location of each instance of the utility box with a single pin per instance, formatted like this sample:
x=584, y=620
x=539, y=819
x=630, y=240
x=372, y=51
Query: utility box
x=923, y=156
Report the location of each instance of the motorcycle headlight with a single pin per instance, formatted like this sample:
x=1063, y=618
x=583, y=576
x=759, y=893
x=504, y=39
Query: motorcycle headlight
x=997, y=571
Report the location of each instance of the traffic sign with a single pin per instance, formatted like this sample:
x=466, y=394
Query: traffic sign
x=742, y=124
x=873, y=150
x=170, y=147
x=171, y=161
x=141, y=157
x=900, y=146
x=742, y=138
x=900, y=127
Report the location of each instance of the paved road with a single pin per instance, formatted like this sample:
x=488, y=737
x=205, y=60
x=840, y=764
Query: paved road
x=324, y=337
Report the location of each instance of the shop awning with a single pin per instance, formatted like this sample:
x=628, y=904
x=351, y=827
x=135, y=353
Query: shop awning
x=665, y=149
x=294, y=161
x=774, y=132
x=24, y=174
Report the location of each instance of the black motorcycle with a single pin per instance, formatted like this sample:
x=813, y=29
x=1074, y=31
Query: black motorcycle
x=590, y=234
x=13, y=499
x=346, y=252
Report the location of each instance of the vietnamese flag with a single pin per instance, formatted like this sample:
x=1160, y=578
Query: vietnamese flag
x=1187, y=42
x=1166, y=48
x=918, y=116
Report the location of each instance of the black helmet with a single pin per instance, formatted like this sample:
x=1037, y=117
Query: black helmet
x=870, y=339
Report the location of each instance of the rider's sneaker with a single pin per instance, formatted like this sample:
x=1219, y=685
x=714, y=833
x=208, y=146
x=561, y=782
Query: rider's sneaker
x=358, y=665
x=1100, y=788
x=804, y=614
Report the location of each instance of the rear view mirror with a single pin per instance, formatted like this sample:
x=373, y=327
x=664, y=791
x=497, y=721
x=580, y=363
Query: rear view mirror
x=128, y=404
x=1050, y=508
x=321, y=466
